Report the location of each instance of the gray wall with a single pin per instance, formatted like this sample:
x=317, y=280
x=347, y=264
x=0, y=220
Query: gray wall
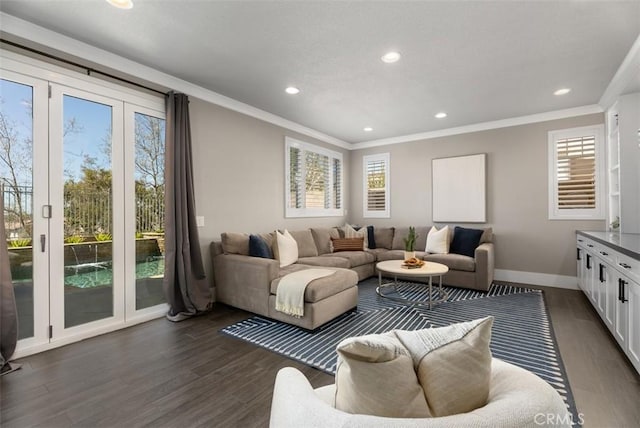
x=239, y=174
x=517, y=192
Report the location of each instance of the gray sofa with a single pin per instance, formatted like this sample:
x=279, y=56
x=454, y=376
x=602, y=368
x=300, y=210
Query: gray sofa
x=250, y=283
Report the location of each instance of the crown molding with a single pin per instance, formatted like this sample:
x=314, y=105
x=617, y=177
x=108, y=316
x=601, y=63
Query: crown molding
x=483, y=126
x=629, y=69
x=42, y=36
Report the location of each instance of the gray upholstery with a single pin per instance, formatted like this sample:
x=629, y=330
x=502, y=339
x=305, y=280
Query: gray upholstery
x=306, y=244
x=453, y=261
x=383, y=237
x=250, y=283
x=322, y=236
x=324, y=287
x=356, y=258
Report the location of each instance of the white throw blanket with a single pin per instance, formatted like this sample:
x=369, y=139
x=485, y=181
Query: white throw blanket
x=290, y=293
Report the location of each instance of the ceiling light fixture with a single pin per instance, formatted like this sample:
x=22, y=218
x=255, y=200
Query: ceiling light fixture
x=441, y=115
x=390, y=57
x=121, y=4
x=562, y=91
x=292, y=90
x=368, y=129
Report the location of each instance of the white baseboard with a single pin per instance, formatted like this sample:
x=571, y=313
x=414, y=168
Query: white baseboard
x=535, y=278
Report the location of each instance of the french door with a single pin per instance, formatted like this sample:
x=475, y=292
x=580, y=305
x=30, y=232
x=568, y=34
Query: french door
x=82, y=180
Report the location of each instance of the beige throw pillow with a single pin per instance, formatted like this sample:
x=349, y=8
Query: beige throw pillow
x=453, y=364
x=350, y=232
x=285, y=249
x=438, y=241
x=375, y=376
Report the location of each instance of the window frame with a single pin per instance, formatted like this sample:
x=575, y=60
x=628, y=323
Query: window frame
x=313, y=212
x=366, y=159
x=597, y=213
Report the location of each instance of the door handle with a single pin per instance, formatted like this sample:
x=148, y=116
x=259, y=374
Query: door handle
x=43, y=243
x=578, y=254
x=622, y=284
x=588, y=261
x=601, y=273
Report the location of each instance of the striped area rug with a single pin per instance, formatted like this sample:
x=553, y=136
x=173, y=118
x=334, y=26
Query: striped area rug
x=521, y=334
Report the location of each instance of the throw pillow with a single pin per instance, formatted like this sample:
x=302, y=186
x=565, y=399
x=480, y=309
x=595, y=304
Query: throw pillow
x=438, y=240
x=306, y=244
x=371, y=238
x=465, y=241
x=350, y=232
x=375, y=376
x=259, y=248
x=235, y=243
x=347, y=244
x=453, y=365
x=285, y=249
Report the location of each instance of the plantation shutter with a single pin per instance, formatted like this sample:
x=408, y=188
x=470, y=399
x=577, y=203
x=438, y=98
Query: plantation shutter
x=376, y=185
x=576, y=172
x=376, y=191
x=313, y=180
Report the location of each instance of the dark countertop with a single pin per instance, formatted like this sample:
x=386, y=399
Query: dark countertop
x=626, y=243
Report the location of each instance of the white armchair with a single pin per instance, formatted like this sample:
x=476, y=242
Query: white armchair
x=517, y=398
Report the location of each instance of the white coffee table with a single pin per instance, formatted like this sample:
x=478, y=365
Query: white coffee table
x=428, y=270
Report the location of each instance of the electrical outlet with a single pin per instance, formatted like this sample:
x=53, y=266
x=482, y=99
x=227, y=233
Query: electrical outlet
x=200, y=220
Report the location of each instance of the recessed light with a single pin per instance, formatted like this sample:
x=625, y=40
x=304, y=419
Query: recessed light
x=121, y=4
x=368, y=129
x=390, y=57
x=441, y=115
x=562, y=91
x=292, y=90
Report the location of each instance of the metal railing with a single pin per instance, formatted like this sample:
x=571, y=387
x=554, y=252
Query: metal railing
x=85, y=213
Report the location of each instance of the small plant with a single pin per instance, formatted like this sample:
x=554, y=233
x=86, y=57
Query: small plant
x=16, y=243
x=102, y=236
x=139, y=235
x=73, y=239
x=410, y=240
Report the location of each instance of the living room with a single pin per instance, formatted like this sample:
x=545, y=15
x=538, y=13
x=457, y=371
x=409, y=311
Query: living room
x=239, y=171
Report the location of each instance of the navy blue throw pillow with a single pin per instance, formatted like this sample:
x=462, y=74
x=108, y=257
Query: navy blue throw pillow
x=371, y=239
x=259, y=248
x=465, y=241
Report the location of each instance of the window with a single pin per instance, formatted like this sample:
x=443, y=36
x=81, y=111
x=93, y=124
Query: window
x=576, y=173
x=376, y=186
x=313, y=180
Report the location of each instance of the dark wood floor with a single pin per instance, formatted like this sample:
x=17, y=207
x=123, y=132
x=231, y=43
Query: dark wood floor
x=187, y=374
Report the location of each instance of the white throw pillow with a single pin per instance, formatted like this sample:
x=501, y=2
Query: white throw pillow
x=286, y=248
x=438, y=241
x=375, y=376
x=453, y=364
x=350, y=232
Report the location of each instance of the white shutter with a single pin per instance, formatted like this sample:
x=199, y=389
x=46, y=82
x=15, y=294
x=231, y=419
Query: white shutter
x=576, y=169
x=313, y=177
x=576, y=173
x=376, y=185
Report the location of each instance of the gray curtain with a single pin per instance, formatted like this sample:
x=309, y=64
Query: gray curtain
x=8, y=312
x=185, y=285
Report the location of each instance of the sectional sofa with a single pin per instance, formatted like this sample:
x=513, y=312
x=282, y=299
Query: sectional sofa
x=250, y=283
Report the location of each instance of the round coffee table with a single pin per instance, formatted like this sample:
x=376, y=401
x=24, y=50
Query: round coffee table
x=428, y=270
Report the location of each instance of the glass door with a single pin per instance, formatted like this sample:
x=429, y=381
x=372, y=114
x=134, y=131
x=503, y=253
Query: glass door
x=86, y=182
x=23, y=154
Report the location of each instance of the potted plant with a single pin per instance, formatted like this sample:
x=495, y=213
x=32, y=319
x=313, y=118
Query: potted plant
x=410, y=244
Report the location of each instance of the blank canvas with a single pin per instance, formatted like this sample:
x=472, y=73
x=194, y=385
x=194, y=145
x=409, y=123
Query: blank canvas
x=459, y=189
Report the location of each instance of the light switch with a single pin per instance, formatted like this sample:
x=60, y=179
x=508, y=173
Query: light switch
x=200, y=220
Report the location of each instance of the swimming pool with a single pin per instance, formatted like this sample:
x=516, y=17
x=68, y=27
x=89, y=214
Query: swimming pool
x=90, y=275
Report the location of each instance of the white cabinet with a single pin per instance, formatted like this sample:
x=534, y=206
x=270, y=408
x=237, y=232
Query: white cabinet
x=633, y=334
x=611, y=281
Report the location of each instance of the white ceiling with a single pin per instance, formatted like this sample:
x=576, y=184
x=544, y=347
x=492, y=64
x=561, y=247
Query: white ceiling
x=477, y=61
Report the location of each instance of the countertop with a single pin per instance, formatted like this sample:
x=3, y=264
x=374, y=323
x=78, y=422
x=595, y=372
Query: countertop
x=626, y=243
